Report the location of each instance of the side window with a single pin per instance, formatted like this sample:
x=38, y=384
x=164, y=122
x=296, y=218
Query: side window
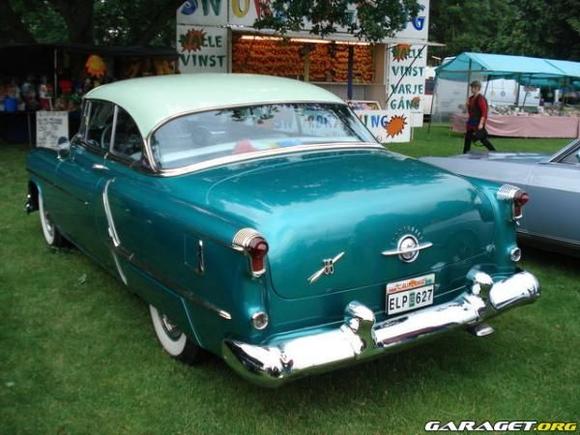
x=572, y=158
x=127, y=142
x=100, y=125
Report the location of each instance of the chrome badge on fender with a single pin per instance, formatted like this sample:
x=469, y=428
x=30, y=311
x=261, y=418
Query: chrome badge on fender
x=326, y=269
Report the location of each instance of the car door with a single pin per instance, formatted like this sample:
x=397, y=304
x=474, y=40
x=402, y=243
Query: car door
x=81, y=173
x=121, y=214
x=556, y=187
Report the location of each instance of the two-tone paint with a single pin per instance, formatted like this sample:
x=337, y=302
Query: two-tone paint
x=334, y=217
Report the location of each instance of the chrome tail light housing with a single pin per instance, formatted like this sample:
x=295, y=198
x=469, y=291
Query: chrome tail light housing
x=254, y=245
x=516, y=196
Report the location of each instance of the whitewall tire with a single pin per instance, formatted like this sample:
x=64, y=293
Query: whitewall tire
x=173, y=341
x=51, y=234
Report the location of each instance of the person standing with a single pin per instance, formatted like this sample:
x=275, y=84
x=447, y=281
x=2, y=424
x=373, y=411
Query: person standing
x=477, y=117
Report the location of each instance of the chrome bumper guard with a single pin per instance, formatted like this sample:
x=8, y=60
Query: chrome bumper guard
x=360, y=337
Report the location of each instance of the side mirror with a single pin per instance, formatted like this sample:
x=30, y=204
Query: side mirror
x=578, y=156
x=63, y=150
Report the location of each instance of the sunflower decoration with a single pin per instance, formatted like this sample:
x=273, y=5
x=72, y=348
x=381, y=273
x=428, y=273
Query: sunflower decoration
x=96, y=66
x=416, y=102
x=396, y=125
x=192, y=40
x=401, y=52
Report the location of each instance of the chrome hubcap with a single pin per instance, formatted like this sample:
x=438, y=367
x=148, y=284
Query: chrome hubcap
x=170, y=329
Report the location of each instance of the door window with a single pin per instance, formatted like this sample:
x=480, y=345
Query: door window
x=100, y=125
x=127, y=142
x=571, y=158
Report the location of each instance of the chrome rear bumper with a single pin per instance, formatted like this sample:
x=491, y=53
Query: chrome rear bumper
x=360, y=337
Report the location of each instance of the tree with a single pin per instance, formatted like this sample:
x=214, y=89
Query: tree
x=104, y=22
x=375, y=20
x=543, y=28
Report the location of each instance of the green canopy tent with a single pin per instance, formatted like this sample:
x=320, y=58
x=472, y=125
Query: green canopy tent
x=527, y=71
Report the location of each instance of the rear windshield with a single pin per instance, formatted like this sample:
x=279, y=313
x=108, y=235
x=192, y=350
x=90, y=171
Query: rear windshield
x=204, y=136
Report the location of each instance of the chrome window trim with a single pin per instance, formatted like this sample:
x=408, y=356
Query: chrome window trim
x=182, y=170
x=84, y=142
x=146, y=154
x=113, y=129
x=271, y=153
x=565, y=152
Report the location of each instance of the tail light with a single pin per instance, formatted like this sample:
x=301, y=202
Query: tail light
x=516, y=196
x=520, y=199
x=256, y=248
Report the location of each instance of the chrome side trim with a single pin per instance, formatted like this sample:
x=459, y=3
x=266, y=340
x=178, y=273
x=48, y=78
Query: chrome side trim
x=360, y=337
x=398, y=251
x=354, y=146
x=167, y=282
x=110, y=222
x=119, y=269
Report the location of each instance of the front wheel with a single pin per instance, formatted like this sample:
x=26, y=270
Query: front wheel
x=173, y=341
x=51, y=234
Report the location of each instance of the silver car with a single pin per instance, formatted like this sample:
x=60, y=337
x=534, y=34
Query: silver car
x=552, y=218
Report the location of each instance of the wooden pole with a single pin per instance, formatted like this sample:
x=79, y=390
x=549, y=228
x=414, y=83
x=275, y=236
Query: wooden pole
x=349, y=73
x=432, y=104
x=468, y=81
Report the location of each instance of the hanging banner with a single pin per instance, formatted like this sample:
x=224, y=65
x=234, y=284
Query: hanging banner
x=202, y=49
x=406, y=80
x=51, y=128
x=387, y=126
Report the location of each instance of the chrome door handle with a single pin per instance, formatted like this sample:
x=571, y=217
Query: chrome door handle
x=99, y=167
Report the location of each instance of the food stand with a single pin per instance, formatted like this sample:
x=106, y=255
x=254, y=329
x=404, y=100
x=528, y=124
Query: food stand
x=52, y=78
x=219, y=37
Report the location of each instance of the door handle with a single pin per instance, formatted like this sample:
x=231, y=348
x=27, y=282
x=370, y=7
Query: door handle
x=99, y=167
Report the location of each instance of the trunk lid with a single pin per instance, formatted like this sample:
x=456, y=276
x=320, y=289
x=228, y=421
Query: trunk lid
x=355, y=205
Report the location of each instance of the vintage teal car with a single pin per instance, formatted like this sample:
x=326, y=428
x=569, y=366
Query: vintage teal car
x=263, y=223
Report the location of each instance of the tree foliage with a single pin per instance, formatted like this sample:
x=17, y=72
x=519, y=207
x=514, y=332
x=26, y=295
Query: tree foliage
x=104, y=22
x=543, y=28
x=375, y=20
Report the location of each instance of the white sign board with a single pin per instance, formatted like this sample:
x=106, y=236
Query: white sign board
x=418, y=28
x=51, y=127
x=202, y=49
x=387, y=126
x=406, y=80
x=203, y=12
x=243, y=13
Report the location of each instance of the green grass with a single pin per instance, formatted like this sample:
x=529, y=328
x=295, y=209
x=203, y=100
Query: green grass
x=78, y=353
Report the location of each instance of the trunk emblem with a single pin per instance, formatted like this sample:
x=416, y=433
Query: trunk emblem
x=326, y=269
x=408, y=248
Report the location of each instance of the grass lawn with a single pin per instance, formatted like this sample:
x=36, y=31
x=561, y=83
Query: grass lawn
x=78, y=353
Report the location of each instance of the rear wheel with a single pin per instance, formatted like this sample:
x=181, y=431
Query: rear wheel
x=51, y=234
x=173, y=340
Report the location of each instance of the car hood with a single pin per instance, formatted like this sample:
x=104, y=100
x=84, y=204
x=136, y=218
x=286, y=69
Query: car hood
x=312, y=207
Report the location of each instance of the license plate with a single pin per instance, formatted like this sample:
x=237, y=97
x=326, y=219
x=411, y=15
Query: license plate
x=410, y=294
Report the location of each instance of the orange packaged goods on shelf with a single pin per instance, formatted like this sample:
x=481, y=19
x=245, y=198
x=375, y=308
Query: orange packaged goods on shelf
x=328, y=62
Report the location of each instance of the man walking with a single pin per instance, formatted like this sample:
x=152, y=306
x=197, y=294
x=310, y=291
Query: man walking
x=477, y=110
